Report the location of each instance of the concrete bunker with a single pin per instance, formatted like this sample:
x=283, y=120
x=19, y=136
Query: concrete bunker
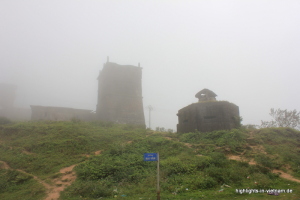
x=208, y=114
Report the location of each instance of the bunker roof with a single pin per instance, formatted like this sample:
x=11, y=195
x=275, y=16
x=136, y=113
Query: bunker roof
x=205, y=92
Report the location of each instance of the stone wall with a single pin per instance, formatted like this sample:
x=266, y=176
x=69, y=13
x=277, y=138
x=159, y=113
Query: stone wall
x=16, y=113
x=208, y=116
x=60, y=113
x=120, y=94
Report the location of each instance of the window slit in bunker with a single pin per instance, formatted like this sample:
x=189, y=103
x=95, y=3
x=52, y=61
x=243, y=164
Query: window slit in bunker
x=209, y=117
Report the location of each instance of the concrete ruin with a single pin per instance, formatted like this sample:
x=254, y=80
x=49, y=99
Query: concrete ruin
x=208, y=114
x=120, y=94
x=45, y=113
x=119, y=99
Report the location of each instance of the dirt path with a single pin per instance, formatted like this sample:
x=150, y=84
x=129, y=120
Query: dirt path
x=281, y=173
x=46, y=185
x=65, y=178
x=53, y=190
x=4, y=165
x=260, y=149
x=285, y=175
x=59, y=184
x=186, y=144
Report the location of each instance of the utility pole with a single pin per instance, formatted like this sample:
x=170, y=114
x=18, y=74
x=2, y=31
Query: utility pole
x=150, y=109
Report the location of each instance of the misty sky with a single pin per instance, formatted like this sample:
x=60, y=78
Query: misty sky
x=247, y=52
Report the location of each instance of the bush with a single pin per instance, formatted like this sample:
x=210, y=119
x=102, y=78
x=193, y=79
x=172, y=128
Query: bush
x=266, y=161
x=173, y=165
x=203, y=182
x=203, y=161
x=234, y=139
x=218, y=159
x=90, y=189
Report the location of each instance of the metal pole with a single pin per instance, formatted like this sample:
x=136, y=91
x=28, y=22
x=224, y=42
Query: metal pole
x=150, y=109
x=158, y=189
x=150, y=117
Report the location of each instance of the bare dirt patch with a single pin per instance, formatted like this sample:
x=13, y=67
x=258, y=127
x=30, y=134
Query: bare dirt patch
x=258, y=149
x=4, y=165
x=98, y=152
x=188, y=145
x=235, y=157
x=27, y=152
x=252, y=162
x=241, y=159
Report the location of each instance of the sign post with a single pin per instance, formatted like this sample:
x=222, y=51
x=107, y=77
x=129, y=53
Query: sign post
x=158, y=188
x=154, y=157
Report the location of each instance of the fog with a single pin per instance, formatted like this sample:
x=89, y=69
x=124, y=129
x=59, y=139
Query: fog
x=247, y=52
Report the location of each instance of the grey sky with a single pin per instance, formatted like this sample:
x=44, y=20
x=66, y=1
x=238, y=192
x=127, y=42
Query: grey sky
x=247, y=52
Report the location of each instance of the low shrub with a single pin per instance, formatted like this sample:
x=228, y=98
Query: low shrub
x=90, y=189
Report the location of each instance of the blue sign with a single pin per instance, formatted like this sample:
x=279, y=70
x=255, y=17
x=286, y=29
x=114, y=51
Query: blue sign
x=150, y=157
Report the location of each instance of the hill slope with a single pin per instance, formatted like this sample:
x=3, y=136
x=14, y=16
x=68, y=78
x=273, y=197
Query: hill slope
x=108, y=161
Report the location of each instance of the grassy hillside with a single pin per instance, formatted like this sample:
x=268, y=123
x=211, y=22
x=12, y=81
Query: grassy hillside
x=109, y=162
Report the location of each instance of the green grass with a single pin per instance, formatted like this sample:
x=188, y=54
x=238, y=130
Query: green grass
x=197, y=170
x=14, y=185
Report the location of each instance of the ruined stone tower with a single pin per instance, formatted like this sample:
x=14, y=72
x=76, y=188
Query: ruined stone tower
x=208, y=114
x=120, y=94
